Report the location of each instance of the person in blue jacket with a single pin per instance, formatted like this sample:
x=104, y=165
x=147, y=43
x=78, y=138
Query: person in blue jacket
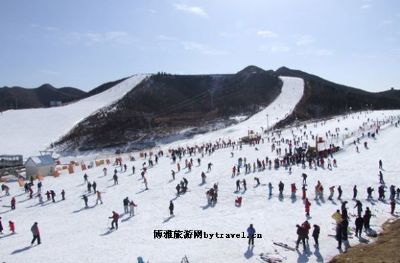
x=250, y=233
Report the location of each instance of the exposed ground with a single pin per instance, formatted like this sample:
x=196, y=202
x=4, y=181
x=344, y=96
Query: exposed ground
x=385, y=249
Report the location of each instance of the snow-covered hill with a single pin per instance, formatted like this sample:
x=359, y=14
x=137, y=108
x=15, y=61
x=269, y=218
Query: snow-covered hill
x=71, y=233
x=31, y=130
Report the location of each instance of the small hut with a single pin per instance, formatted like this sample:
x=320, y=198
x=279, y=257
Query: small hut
x=43, y=165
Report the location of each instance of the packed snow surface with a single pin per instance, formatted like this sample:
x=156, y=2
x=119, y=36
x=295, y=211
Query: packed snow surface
x=28, y=131
x=70, y=233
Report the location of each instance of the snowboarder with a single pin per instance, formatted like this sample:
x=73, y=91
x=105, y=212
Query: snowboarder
x=250, y=233
x=114, y=222
x=171, y=208
x=315, y=234
x=35, y=233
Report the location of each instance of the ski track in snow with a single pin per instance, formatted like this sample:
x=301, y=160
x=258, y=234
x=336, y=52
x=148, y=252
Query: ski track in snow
x=28, y=131
x=279, y=109
x=72, y=234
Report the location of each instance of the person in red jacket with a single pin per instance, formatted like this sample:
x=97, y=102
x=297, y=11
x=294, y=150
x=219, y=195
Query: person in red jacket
x=307, y=205
x=293, y=190
x=12, y=226
x=13, y=201
x=115, y=217
x=306, y=227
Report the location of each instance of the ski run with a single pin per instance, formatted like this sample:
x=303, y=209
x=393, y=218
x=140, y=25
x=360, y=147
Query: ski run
x=71, y=232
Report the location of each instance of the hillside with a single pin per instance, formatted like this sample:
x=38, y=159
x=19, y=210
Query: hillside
x=36, y=129
x=22, y=98
x=164, y=105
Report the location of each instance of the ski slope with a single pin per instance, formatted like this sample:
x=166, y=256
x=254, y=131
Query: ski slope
x=30, y=130
x=279, y=109
x=72, y=234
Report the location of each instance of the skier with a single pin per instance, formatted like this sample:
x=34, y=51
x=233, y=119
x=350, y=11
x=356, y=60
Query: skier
x=380, y=165
x=340, y=192
x=369, y=192
x=35, y=233
x=304, y=192
x=209, y=167
x=89, y=187
x=355, y=192
x=392, y=206
x=257, y=181
x=13, y=201
x=85, y=178
x=237, y=185
x=133, y=169
x=63, y=194
x=281, y=186
x=359, y=225
x=270, y=189
x=244, y=185
x=1, y=227
x=40, y=198
x=85, y=199
x=171, y=208
x=307, y=205
x=11, y=225
x=126, y=205
x=6, y=189
x=345, y=235
x=115, y=177
x=304, y=178
x=53, y=194
x=98, y=198
x=132, y=208
x=203, y=178
x=105, y=171
x=293, y=190
x=250, y=233
x=381, y=181
x=114, y=222
x=359, y=207
x=344, y=210
x=306, y=226
x=173, y=174
x=339, y=235
x=367, y=218
x=94, y=186
x=332, y=191
x=315, y=234
x=145, y=183
x=301, y=236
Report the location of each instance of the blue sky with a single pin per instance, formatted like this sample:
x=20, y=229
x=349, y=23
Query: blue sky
x=84, y=43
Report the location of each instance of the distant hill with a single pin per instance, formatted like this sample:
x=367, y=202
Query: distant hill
x=323, y=98
x=23, y=98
